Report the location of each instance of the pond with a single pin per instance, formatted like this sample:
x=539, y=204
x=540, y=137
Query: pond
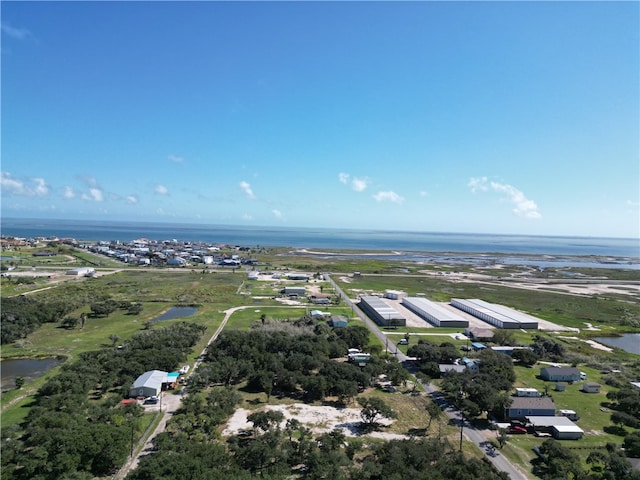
x=29, y=368
x=175, y=312
x=629, y=342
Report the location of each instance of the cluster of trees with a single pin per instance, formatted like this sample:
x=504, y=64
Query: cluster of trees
x=548, y=348
x=21, y=315
x=627, y=406
x=294, y=364
x=488, y=390
x=428, y=355
x=275, y=451
x=557, y=461
x=67, y=435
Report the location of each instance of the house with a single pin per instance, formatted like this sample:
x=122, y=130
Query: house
x=318, y=314
x=469, y=364
x=446, y=368
x=526, y=406
x=560, y=374
x=149, y=384
x=478, y=346
x=590, y=387
x=561, y=387
x=293, y=291
x=478, y=334
x=337, y=321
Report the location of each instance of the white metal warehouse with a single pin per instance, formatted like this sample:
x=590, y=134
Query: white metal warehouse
x=498, y=315
x=434, y=313
x=381, y=312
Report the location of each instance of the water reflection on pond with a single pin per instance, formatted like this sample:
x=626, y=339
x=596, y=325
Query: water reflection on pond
x=175, y=312
x=629, y=342
x=28, y=368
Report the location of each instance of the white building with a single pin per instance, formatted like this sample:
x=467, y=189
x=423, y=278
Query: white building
x=81, y=271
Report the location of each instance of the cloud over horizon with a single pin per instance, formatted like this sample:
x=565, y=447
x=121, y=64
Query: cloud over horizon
x=389, y=196
x=246, y=188
x=32, y=187
x=523, y=207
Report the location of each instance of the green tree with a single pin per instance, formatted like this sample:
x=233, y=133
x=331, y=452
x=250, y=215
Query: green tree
x=374, y=408
x=433, y=412
x=19, y=382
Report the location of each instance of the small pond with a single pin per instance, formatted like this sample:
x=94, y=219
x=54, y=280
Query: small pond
x=29, y=368
x=629, y=342
x=175, y=312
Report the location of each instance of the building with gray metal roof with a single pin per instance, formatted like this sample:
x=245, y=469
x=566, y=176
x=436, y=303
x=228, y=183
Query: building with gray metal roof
x=434, y=313
x=381, y=312
x=498, y=315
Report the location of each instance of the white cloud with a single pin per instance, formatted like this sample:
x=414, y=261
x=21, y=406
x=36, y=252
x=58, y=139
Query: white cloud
x=523, y=207
x=246, y=216
x=33, y=187
x=68, y=192
x=424, y=193
x=478, y=184
x=246, y=188
x=13, y=32
x=176, y=159
x=132, y=199
x=95, y=195
x=388, y=197
x=277, y=214
x=161, y=190
x=359, y=184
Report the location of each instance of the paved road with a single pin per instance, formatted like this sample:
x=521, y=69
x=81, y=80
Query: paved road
x=480, y=437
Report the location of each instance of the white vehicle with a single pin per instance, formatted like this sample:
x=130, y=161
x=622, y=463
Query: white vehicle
x=184, y=369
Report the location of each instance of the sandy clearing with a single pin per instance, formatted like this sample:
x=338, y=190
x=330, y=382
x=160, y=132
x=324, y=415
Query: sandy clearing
x=320, y=419
x=593, y=343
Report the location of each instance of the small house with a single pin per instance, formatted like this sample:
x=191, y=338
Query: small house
x=478, y=346
x=394, y=294
x=561, y=387
x=590, y=387
x=562, y=374
x=337, y=321
x=570, y=414
x=293, y=291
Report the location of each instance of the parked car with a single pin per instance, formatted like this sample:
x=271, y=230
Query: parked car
x=151, y=400
x=516, y=429
x=403, y=341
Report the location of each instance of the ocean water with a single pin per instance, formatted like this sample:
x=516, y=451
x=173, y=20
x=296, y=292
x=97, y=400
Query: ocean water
x=324, y=238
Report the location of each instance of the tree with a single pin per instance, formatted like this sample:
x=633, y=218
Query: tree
x=525, y=357
x=503, y=337
x=266, y=419
x=70, y=323
x=19, y=382
x=632, y=444
x=134, y=308
x=433, y=411
x=114, y=339
x=502, y=437
x=374, y=408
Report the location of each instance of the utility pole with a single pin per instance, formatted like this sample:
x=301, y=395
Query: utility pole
x=460, y=398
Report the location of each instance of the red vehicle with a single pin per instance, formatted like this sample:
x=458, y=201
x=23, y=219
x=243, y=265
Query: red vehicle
x=516, y=429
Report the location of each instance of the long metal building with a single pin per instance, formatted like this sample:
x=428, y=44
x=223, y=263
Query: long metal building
x=381, y=312
x=498, y=315
x=434, y=313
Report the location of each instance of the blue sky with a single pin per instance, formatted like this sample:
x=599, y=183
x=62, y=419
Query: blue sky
x=505, y=117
